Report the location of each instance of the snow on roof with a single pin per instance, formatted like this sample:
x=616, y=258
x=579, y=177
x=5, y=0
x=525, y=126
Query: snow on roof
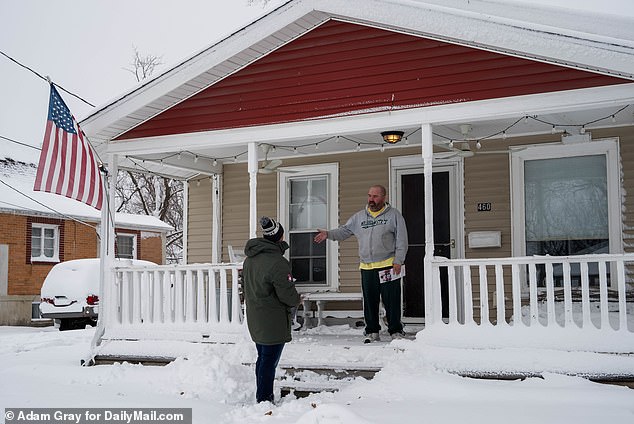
x=552, y=18
x=17, y=196
x=600, y=43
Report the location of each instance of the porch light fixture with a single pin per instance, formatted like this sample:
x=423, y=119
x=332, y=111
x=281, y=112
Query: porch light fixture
x=392, y=137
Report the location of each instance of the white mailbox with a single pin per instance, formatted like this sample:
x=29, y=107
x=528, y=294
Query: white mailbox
x=479, y=239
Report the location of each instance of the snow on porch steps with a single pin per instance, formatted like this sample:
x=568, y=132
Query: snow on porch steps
x=329, y=358
x=304, y=379
x=326, y=346
x=333, y=356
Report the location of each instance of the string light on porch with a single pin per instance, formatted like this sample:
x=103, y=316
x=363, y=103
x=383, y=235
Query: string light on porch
x=555, y=127
x=358, y=143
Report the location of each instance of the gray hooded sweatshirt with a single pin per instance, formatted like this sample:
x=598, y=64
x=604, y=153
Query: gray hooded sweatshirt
x=379, y=238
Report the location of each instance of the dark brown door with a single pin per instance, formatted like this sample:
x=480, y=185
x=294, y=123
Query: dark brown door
x=413, y=210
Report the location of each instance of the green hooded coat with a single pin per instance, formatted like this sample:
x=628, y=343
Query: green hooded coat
x=269, y=291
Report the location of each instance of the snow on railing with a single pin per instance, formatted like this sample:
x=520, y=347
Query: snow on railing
x=197, y=302
x=578, y=302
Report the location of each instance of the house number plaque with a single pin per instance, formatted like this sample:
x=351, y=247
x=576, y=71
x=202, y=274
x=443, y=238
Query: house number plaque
x=484, y=207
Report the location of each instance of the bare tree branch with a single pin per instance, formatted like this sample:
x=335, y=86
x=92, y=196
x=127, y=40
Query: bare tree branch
x=143, y=66
x=152, y=195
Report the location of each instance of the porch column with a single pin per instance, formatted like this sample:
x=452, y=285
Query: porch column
x=428, y=154
x=112, y=174
x=109, y=306
x=106, y=251
x=216, y=229
x=253, y=183
x=185, y=219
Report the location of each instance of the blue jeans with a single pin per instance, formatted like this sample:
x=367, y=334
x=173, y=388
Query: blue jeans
x=268, y=358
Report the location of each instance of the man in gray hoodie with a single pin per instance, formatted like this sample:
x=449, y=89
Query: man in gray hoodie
x=382, y=236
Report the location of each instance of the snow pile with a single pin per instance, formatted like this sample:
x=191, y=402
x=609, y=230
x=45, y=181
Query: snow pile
x=198, y=377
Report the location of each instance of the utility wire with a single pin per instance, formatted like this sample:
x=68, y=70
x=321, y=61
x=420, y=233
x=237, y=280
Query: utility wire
x=20, y=143
x=44, y=78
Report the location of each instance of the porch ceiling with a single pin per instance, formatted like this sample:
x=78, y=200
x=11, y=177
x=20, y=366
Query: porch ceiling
x=187, y=163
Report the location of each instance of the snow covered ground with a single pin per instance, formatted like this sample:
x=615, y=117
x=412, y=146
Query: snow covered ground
x=40, y=367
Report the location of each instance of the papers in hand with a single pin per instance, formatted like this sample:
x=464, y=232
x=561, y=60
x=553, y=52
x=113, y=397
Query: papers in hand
x=389, y=274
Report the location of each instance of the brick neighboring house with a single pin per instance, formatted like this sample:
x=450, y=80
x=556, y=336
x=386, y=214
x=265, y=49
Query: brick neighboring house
x=33, y=238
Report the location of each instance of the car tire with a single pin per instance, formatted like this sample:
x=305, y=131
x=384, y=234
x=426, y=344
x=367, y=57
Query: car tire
x=72, y=324
x=65, y=324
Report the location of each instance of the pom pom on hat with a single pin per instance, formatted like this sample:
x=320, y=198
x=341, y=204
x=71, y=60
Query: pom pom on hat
x=271, y=229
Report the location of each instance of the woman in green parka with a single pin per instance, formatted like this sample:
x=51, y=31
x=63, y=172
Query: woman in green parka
x=270, y=295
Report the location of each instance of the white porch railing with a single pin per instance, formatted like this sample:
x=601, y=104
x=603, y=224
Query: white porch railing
x=198, y=302
x=559, y=302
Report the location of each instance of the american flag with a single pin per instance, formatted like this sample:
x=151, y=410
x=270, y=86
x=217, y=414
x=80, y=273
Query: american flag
x=68, y=165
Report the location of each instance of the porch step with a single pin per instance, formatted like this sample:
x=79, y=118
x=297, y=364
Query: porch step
x=322, y=378
x=626, y=380
x=303, y=389
x=131, y=359
x=42, y=322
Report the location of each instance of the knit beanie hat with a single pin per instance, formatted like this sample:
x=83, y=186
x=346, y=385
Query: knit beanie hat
x=271, y=229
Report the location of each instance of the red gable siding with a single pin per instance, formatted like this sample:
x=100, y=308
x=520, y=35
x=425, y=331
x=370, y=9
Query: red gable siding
x=342, y=68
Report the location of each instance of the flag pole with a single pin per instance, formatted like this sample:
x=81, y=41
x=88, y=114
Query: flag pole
x=104, y=232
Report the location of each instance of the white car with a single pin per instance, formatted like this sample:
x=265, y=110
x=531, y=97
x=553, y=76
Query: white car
x=70, y=292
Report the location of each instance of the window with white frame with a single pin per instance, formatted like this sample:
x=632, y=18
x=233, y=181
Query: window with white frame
x=308, y=202
x=126, y=245
x=44, y=242
x=562, y=203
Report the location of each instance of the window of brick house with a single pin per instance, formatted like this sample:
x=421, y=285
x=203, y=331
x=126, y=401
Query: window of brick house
x=45, y=242
x=126, y=246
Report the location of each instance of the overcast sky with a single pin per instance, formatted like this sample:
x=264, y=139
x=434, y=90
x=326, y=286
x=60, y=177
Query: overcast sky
x=84, y=46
